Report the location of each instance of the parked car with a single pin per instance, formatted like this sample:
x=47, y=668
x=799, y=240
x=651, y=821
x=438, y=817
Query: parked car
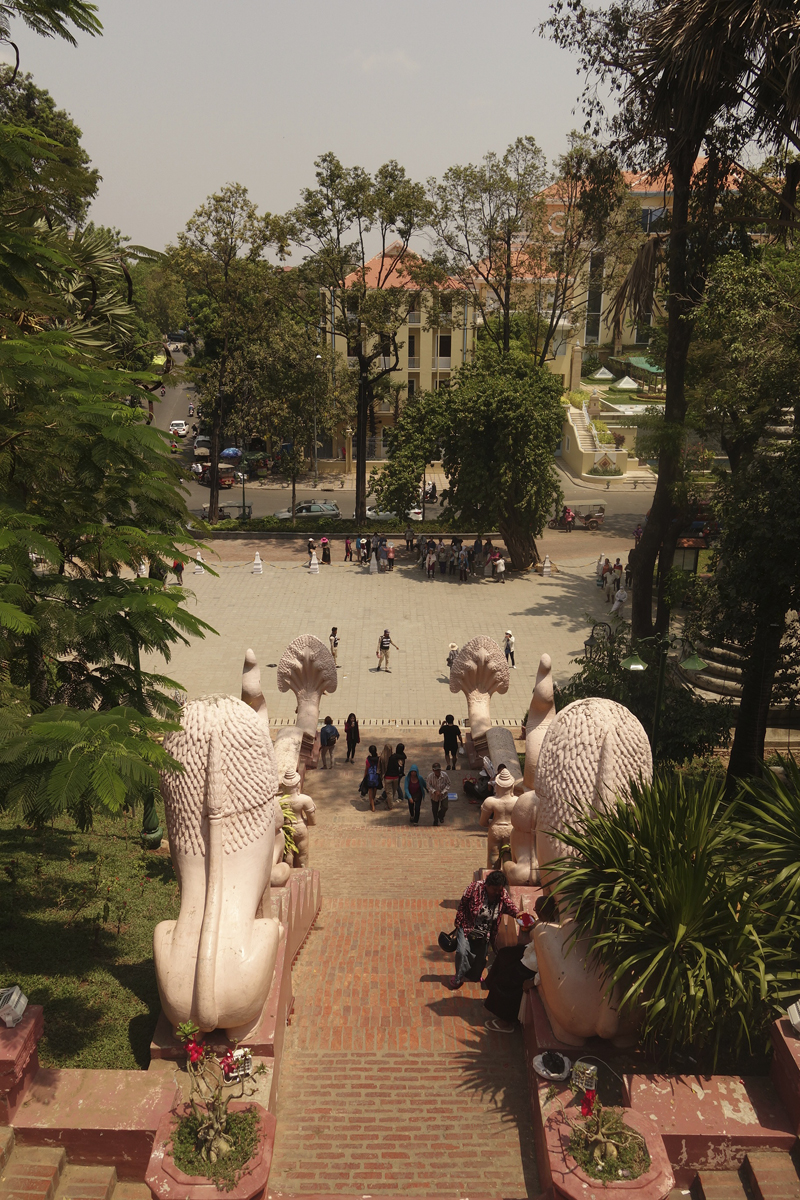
x=380, y=514
x=202, y=446
x=311, y=508
x=179, y=427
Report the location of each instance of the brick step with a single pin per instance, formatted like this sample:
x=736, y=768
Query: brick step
x=87, y=1183
x=32, y=1173
x=101, y=1118
x=6, y=1143
x=772, y=1176
x=127, y=1190
x=719, y=1185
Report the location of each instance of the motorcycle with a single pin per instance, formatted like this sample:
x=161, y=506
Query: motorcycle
x=191, y=410
x=163, y=391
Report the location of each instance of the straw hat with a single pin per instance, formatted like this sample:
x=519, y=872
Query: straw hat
x=452, y=646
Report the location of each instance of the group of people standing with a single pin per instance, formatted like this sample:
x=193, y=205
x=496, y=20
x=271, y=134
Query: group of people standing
x=458, y=557
x=361, y=550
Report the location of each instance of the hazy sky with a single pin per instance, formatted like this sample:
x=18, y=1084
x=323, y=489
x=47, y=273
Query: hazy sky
x=181, y=96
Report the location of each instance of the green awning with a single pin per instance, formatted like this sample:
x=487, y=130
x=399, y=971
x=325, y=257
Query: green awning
x=644, y=364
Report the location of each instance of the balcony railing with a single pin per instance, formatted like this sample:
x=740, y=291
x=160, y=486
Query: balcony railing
x=414, y=318
x=440, y=364
x=445, y=320
x=413, y=364
x=385, y=406
x=386, y=361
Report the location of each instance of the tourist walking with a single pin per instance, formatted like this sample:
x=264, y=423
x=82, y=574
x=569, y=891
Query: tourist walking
x=438, y=784
x=383, y=762
x=637, y=535
x=348, y=549
x=390, y=555
x=384, y=645
x=401, y=756
x=326, y=550
x=500, y=568
x=452, y=558
x=311, y=547
x=508, y=647
x=372, y=776
x=430, y=562
x=352, y=737
x=333, y=641
x=477, y=552
x=451, y=737
x=414, y=791
x=177, y=570
x=452, y=654
x=618, y=570
x=619, y=600
x=392, y=775
x=409, y=538
x=569, y=518
x=328, y=737
x=441, y=554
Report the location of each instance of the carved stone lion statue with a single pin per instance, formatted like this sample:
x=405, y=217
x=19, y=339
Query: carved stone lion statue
x=214, y=965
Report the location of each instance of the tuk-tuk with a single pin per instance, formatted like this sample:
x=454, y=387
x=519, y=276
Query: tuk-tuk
x=226, y=475
x=590, y=516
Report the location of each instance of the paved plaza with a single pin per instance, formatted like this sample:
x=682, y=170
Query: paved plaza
x=390, y=1083
x=267, y=611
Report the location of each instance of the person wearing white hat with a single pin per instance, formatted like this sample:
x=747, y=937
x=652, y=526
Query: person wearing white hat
x=508, y=647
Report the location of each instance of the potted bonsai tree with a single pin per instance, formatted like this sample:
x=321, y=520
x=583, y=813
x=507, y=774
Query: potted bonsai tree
x=217, y=1143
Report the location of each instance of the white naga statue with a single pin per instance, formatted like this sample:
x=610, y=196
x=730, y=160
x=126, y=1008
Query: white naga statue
x=307, y=669
x=524, y=868
x=479, y=671
x=592, y=751
x=304, y=810
x=214, y=965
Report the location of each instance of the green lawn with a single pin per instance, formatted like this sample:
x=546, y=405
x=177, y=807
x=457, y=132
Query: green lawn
x=77, y=912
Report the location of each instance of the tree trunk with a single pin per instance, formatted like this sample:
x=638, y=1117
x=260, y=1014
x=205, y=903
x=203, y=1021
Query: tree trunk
x=38, y=681
x=747, y=752
x=669, y=461
x=521, y=545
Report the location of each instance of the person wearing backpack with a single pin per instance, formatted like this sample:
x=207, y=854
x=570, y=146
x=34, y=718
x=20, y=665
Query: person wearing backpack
x=382, y=653
x=328, y=737
x=372, y=776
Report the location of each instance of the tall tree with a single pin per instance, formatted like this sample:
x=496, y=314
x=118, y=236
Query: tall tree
x=367, y=297
x=678, y=95
x=489, y=221
x=220, y=259
x=65, y=183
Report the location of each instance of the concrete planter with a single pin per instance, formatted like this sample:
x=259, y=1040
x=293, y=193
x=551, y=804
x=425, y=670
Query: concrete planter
x=167, y=1182
x=570, y=1182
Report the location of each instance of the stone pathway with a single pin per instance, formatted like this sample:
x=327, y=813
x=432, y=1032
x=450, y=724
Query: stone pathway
x=267, y=611
x=390, y=1083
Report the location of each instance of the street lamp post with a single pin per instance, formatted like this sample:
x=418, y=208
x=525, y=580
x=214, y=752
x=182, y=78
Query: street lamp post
x=634, y=663
x=316, y=475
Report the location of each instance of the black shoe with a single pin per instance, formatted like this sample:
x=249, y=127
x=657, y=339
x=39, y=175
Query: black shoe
x=435, y=823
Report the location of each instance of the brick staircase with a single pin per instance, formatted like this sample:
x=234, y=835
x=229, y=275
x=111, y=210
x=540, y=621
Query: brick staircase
x=42, y=1173
x=764, y=1175
x=582, y=431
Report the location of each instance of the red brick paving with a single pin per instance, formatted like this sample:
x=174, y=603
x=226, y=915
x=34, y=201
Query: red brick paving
x=390, y=1083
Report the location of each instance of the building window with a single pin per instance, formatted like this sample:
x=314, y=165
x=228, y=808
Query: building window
x=652, y=219
x=594, y=299
x=445, y=344
x=412, y=346
x=412, y=387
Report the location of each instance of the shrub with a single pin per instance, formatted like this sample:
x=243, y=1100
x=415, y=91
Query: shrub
x=662, y=892
x=603, y=435
x=605, y=471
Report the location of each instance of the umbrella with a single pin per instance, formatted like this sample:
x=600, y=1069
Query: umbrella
x=231, y=452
